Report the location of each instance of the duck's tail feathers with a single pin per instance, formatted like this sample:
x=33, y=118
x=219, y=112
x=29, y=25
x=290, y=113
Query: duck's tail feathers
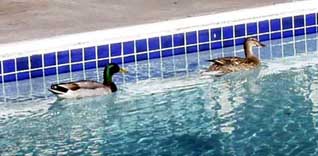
x=212, y=73
x=216, y=61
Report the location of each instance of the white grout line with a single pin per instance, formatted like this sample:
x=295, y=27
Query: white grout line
x=282, y=38
x=148, y=60
x=305, y=31
x=96, y=63
x=3, y=84
x=293, y=31
x=56, y=67
x=135, y=57
x=123, y=60
x=173, y=55
x=210, y=47
x=161, y=62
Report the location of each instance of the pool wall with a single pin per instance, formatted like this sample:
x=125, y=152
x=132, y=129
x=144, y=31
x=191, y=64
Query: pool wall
x=70, y=53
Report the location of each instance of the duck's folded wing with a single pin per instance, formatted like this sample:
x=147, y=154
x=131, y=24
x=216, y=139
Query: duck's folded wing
x=227, y=60
x=87, y=84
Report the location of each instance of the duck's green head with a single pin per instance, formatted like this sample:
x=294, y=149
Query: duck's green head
x=110, y=70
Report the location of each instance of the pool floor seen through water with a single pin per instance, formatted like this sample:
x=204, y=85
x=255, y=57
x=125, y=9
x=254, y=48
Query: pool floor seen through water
x=165, y=107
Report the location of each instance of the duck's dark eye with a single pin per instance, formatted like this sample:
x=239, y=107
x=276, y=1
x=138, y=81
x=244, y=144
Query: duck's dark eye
x=59, y=88
x=54, y=87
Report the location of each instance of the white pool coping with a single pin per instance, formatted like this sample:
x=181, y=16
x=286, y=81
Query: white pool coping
x=87, y=39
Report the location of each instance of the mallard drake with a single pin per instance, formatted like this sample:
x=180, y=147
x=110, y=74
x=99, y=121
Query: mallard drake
x=87, y=88
x=232, y=64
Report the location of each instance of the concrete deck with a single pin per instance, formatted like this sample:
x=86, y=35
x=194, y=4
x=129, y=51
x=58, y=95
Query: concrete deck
x=35, y=19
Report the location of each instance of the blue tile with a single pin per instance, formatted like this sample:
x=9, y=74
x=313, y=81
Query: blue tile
x=264, y=37
x=251, y=28
x=299, y=32
x=50, y=71
x=142, y=57
x=166, y=53
x=129, y=59
x=115, y=49
x=228, y=43
x=299, y=21
x=191, y=37
x=288, y=33
x=10, y=77
x=89, y=53
x=37, y=73
x=22, y=63
x=154, y=43
x=277, y=51
x=8, y=66
x=204, y=47
x=76, y=55
x=287, y=22
x=310, y=19
x=141, y=45
x=76, y=67
x=166, y=41
x=103, y=51
x=49, y=59
x=216, y=45
x=276, y=35
x=63, y=57
x=102, y=63
x=275, y=25
x=23, y=75
x=179, y=51
x=287, y=51
x=116, y=60
x=240, y=30
x=178, y=39
x=154, y=55
x=239, y=41
x=64, y=69
x=90, y=65
x=311, y=30
x=192, y=49
x=228, y=32
x=263, y=26
x=216, y=34
x=203, y=36
x=129, y=47
x=36, y=61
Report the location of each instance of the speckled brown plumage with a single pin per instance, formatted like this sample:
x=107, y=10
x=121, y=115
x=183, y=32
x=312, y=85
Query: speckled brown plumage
x=233, y=64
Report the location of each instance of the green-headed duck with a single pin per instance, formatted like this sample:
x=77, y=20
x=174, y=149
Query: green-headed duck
x=88, y=88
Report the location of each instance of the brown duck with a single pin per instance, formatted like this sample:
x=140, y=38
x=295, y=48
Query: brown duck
x=232, y=64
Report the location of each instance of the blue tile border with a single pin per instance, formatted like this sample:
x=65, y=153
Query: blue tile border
x=9, y=66
x=22, y=63
x=89, y=53
x=181, y=43
x=36, y=61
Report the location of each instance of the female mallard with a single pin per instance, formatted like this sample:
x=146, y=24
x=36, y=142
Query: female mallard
x=87, y=88
x=233, y=64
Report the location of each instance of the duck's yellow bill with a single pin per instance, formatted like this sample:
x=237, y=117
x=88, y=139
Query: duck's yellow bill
x=123, y=70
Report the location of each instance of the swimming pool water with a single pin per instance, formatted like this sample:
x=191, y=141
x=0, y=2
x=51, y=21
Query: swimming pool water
x=165, y=107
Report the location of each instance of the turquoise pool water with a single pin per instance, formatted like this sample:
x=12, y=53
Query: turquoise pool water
x=165, y=107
